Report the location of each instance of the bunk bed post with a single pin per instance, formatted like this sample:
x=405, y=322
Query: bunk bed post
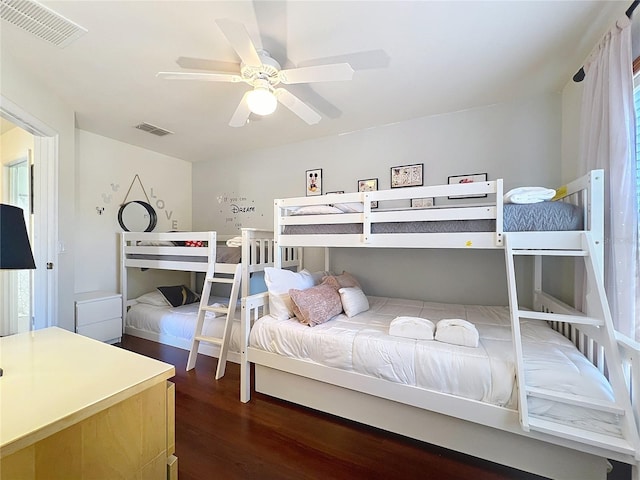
x=499, y=213
x=123, y=278
x=246, y=254
x=277, y=253
x=595, y=217
x=245, y=372
x=366, y=224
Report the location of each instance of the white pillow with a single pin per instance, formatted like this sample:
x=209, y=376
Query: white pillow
x=351, y=207
x=354, y=301
x=279, y=282
x=153, y=298
x=529, y=195
x=316, y=210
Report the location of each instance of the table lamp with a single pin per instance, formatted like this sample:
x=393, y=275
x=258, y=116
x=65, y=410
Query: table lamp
x=15, y=250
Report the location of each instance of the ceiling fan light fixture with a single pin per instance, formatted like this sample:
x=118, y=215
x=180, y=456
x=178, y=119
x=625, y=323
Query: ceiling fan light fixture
x=262, y=101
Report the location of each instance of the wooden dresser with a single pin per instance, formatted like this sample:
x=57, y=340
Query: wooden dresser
x=77, y=408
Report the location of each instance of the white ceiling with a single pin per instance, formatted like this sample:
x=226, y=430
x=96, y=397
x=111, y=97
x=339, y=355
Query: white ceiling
x=411, y=59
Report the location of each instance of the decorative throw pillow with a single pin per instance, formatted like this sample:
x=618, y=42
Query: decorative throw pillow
x=344, y=280
x=331, y=281
x=178, y=295
x=354, y=301
x=316, y=305
x=279, y=282
x=153, y=298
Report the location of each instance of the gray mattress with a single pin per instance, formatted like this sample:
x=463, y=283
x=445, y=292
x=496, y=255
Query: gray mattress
x=538, y=217
x=224, y=254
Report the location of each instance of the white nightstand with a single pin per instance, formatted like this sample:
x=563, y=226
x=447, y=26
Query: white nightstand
x=99, y=315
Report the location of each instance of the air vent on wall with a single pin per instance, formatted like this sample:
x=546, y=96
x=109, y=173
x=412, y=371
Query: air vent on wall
x=41, y=21
x=152, y=129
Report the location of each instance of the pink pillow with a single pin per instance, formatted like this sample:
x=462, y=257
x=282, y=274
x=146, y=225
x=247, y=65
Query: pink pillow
x=344, y=280
x=316, y=305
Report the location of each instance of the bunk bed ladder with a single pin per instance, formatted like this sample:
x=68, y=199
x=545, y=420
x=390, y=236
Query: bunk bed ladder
x=229, y=311
x=599, y=325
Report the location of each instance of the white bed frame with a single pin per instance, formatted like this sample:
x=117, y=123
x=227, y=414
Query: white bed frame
x=468, y=426
x=258, y=249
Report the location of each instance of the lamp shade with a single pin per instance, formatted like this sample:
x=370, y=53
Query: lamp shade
x=261, y=100
x=15, y=250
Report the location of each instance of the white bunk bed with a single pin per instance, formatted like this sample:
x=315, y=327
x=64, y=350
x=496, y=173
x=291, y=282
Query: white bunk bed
x=175, y=326
x=509, y=434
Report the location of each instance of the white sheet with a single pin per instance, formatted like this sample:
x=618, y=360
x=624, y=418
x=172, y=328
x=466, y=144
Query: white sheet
x=180, y=322
x=486, y=373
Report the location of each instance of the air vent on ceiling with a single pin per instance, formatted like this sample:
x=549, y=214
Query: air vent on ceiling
x=152, y=129
x=41, y=21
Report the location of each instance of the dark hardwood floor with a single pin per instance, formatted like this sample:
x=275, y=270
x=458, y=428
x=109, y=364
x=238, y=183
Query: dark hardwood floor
x=217, y=436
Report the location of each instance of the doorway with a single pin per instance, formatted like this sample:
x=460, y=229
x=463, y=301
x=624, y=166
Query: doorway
x=34, y=189
x=18, y=284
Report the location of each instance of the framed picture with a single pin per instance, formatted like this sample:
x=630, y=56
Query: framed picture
x=314, y=182
x=422, y=202
x=406, y=176
x=336, y=191
x=369, y=185
x=476, y=177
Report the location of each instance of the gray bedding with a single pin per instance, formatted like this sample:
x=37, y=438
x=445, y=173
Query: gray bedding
x=543, y=216
x=224, y=254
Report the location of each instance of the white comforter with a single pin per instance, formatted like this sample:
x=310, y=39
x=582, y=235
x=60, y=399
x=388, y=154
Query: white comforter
x=180, y=322
x=486, y=373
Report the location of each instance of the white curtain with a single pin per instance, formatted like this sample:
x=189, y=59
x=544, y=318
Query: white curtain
x=608, y=142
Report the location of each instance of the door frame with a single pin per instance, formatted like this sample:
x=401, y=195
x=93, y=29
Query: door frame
x=45, y=202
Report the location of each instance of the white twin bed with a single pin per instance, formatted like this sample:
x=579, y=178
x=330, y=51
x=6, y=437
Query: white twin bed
x=151, y=317
x=465, y=398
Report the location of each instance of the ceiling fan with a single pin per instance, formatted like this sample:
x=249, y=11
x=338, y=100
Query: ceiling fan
x=264, y=74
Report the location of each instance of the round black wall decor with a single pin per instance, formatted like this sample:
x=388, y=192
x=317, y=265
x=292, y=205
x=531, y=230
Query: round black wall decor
x=137, y=216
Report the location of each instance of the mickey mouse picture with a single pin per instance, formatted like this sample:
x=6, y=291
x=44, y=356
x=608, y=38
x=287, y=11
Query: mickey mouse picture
x=314, y=182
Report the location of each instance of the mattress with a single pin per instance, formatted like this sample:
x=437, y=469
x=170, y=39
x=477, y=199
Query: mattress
x=224, y=254
x=487, y=373
x=543, y=216
x=180, y=322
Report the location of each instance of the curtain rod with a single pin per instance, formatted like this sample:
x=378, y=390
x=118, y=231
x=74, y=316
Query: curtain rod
x=579, y=76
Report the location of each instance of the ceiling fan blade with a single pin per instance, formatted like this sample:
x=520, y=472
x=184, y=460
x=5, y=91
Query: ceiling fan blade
x=241, y=115
x=271, y=18
x=365, y=60
x=297, y=106
x=190, y=63
x=209, y=77
x=319, y=73
x=239, y=39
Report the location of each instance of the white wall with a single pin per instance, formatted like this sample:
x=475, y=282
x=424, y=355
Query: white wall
x=106, y=170
x=518, y=141
x=571, y=106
